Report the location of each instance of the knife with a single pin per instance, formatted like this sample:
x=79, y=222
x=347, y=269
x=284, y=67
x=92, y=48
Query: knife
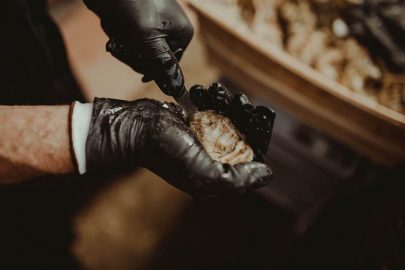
x=171, y=77
x=185, y=103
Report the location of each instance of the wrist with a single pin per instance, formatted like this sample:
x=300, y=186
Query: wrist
x=118, y=133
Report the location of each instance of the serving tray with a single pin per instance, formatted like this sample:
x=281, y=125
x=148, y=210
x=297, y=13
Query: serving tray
x=270, y=73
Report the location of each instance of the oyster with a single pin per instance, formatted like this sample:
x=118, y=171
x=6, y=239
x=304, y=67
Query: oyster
x=220, y=137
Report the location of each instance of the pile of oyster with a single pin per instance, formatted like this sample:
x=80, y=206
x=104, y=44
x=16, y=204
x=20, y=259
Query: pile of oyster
x=314, y=32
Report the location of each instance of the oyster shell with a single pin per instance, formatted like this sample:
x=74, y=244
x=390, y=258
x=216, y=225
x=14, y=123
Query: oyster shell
x=220, y=138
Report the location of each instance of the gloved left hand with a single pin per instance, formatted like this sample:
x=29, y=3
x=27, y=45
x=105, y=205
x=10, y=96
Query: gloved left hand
x=122, y=135
x=148, y=35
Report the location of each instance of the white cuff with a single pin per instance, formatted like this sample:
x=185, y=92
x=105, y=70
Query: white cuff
x=81, y=118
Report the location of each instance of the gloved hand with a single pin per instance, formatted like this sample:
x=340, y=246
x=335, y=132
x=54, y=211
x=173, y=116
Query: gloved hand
x=155, y=135
x=380, y=25
x=148, y=35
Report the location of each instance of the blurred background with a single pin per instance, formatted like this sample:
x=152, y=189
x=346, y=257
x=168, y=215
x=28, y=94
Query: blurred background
x=337, y=198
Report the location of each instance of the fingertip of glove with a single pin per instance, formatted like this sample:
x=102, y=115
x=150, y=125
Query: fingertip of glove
x=263, y=175
x=259, y=174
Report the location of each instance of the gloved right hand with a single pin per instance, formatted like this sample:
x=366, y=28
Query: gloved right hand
x=148, y=35
x=126, y=134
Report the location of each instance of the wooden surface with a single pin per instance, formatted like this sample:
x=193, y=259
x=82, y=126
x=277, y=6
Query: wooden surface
x=351, y=118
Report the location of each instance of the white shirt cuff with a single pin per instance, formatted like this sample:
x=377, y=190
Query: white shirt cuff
x=81, y=118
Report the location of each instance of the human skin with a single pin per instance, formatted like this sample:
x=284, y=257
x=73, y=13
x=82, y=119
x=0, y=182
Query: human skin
x=34, y=141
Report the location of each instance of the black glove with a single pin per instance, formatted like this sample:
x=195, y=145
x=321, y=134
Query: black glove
x=380, y=25
x=255, y=123
x=148, y=133
x=148, y=35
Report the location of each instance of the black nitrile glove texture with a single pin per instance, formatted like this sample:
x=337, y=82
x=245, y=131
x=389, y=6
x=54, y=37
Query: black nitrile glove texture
x=148, y=35
x=155, y=135
x=380, y=26
x=256, y=123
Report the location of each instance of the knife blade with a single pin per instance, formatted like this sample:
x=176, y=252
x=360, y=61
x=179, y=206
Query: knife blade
x=185, y=103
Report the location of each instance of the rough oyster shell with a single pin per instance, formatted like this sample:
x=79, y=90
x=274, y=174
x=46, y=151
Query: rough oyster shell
x=220, y=138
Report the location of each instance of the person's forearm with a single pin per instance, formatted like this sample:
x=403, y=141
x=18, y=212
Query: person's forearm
x=34, y=141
